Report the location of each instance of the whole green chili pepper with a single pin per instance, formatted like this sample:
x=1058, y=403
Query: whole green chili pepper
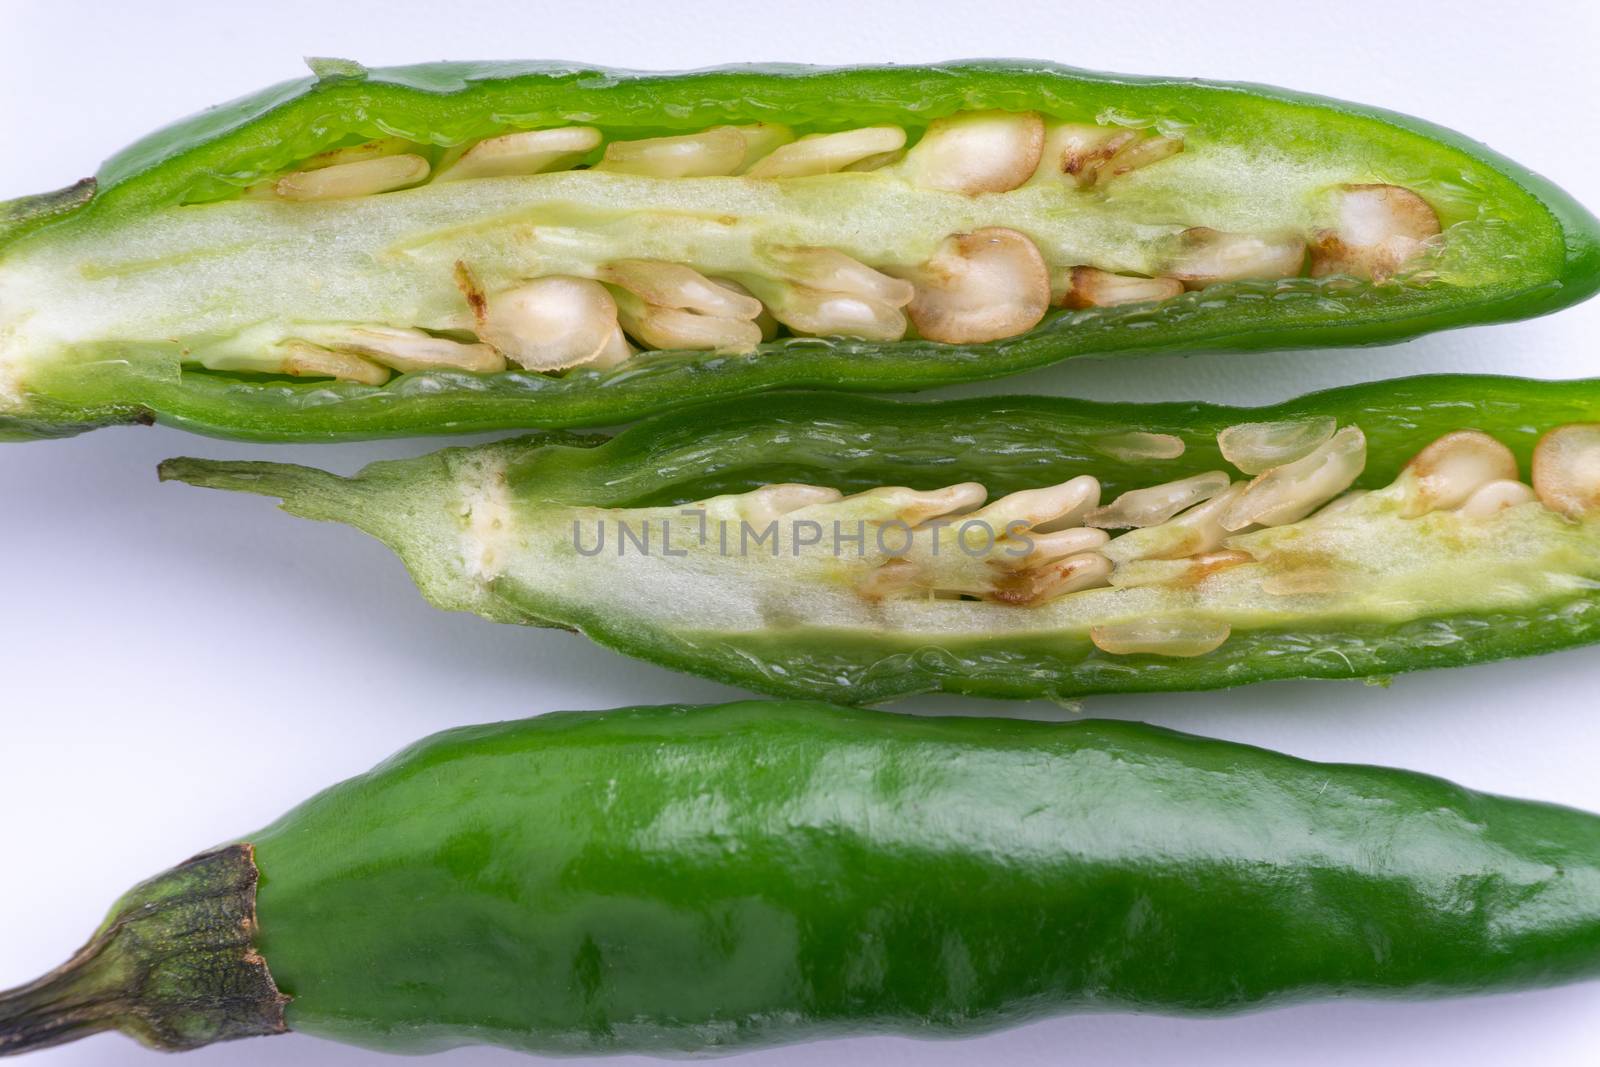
x=1356, y=532
x=502, y=237
x=681, y=879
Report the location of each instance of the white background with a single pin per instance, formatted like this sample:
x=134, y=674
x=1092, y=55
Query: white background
x=179, y=666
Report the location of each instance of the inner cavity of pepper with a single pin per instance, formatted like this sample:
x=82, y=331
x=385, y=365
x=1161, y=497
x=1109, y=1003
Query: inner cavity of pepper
x=558, y=249
x=1168, y=569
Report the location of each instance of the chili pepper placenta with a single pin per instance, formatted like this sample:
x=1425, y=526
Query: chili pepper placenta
x=1017, y=547
x=457, y=247
x=682, y=879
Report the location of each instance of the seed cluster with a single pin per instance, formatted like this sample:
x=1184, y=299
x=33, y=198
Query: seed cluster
x=979, y=286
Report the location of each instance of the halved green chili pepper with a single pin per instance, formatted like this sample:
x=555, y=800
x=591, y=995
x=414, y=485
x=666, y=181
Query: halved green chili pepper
x=682, y=879
x=502, y=237
x=718, y=541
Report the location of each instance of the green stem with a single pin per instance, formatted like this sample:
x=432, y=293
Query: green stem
x=283, y=480
x=175, y=966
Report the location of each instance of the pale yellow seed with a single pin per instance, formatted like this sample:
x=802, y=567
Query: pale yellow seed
x=311, y=361
x=1379, y=231
x=1182, y=638
x=1142, y=153
x=707, y=153
x=1055, y=505
x=821, y=314
x=768, y=324
x=1077, y=152
x=981, y=286
x=1294, y=490
x=1495, y=497
x=830, y=271
x=977, y=152
x=1203, y=256
x=1446, y=473
x=1157, y=503
x=1566, y=470
x=760, y=139
x=615, y=351
x=1138, y=445
x=673, y=285
x=826, y=153
x=1047, y=547
x=526, y=152
x=1090, y=287
x=364, y=177
x=406, y=350
x=1254, y=447
x=676, y=329
x=1198, y=529
x=550, y=323
x=761, y=506
x=916, y=506
x=1089, y=570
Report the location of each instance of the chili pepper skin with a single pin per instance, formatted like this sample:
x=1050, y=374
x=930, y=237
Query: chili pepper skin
x=689, y=879
x=1532, y=249
x=508, y=531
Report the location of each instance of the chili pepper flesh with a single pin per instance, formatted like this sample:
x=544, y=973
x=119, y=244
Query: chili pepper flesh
x=1369, y=540
x=978, y=219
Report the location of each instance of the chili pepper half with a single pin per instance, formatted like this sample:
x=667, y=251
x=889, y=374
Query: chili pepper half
x=681, y=879
x=464, y=246
x=1017, y=547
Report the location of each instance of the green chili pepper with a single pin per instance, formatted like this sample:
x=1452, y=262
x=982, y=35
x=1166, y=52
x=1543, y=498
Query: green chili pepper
x=464, y=247
x=1357, y=532
x=681, y=879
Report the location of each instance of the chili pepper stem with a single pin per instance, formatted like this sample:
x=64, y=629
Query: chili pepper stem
x=284, y=480
x=304, y=491
x=62, y=1006
x=369, y=504
x=174, y=966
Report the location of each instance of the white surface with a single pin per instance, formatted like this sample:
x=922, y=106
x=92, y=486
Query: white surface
x=179, y=666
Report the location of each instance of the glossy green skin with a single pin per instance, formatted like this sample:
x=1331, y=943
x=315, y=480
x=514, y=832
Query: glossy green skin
x=208, y=156
x=1006, y=443
x=683, y=879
